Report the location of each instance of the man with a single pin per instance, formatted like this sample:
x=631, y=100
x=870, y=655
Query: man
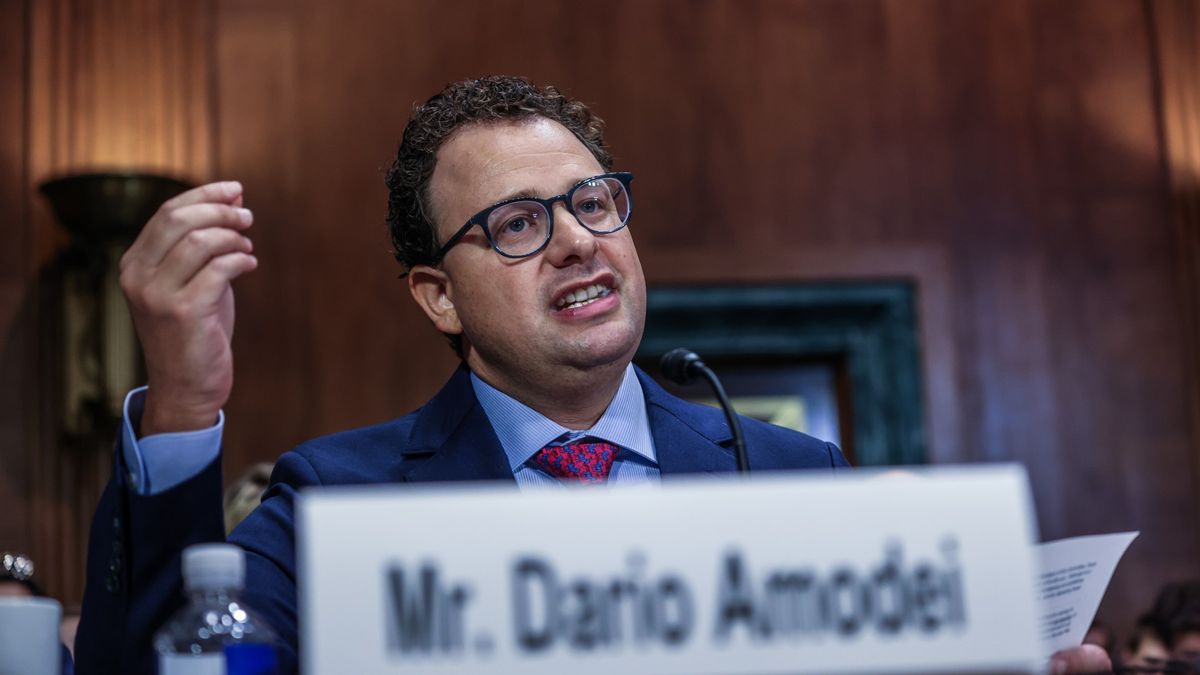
x=1146, y=648
x=1172, y=627
x=511, y=225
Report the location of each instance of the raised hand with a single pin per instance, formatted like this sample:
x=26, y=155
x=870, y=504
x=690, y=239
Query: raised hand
x=177, y=278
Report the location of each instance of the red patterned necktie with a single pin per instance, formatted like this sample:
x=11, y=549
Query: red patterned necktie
x=587, y=460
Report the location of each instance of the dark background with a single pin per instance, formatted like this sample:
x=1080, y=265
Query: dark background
x=1031, y=166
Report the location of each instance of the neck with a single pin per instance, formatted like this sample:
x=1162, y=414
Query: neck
x=574, y=399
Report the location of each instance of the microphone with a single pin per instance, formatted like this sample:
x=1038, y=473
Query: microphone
x=682, y=366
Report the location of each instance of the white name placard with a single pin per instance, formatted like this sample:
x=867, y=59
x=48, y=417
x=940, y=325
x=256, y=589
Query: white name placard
x=858, y=572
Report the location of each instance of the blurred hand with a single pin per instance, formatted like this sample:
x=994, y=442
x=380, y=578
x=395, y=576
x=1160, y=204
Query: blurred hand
x=177, y=278
x=1082, y=659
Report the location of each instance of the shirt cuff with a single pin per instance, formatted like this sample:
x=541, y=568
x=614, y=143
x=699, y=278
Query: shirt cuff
x=158, y=463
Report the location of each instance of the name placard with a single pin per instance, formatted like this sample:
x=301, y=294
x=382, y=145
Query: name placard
x=858, y=572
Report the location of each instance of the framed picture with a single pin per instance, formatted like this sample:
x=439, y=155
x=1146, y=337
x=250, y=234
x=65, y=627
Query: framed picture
x=838, y=361
x=797, y=394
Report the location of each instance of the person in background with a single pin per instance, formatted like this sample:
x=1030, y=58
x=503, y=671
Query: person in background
x=246, y=494
x=1146, y=649
x=1177, y=612
x=1167, y=638
x=1185, y=646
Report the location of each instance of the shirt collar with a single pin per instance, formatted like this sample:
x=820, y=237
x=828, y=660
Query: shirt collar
x=523, y=431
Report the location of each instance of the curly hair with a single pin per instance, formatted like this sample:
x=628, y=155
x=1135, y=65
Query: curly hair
x=482, y=101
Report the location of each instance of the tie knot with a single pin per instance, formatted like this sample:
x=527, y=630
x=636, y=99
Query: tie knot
x=587, y=460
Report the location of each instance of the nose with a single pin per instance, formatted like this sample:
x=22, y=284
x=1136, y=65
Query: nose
x=570, y=243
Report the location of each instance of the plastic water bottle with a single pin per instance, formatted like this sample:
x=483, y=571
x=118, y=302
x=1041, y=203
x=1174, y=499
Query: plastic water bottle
x=215, y=634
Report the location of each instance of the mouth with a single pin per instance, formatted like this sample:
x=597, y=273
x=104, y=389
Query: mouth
x=582, y=296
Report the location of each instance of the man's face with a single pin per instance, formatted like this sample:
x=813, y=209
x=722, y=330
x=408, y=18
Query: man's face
x=1187, y=647
x=516, y=330
x=1150, y=652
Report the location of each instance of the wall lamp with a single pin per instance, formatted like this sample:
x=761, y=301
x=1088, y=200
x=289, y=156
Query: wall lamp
x=98, y=355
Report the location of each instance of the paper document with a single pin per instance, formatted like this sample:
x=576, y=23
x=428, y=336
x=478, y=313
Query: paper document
x=1074, y=575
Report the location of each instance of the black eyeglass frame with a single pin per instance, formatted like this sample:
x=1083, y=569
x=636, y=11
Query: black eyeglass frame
x=480, y=219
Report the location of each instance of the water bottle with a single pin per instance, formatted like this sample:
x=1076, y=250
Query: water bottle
x=215, y=634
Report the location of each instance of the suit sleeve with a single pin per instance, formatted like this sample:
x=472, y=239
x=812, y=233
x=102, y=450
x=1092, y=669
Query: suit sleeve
x=162, y=461
x=268, y=535
x=134, y=583
x=133, y=580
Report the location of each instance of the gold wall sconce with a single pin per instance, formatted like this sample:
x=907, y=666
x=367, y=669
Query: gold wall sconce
x=99, y=359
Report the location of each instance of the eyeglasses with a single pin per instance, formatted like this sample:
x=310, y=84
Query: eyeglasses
x=522, y=226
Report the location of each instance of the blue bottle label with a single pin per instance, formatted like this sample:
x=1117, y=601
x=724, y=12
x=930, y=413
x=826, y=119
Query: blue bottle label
x=250, y=659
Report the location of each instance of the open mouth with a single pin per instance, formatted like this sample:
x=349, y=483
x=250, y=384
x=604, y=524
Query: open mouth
x=581, y=297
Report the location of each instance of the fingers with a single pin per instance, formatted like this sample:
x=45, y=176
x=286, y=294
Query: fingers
x=200, y=228
x=225, y=192
x=213, y=280
x=1081, y=659
x=195, y=249
x=168, y=227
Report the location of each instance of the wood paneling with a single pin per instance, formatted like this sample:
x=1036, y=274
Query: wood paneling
x=16, y=283
x=1009, y=157
x=1177, y=42
x=119, y=84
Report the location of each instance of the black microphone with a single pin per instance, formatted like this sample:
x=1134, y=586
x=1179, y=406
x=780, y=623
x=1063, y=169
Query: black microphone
x=681, y=366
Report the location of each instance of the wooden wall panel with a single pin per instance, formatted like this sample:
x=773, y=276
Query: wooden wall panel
x=258, y=54
x=118, y=84
x=16, y=283
x=1177, y=42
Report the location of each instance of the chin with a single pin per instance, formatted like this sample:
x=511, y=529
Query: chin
x=612, y=350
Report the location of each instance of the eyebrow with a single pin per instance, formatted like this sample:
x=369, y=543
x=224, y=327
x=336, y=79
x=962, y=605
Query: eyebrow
x=523, y=193
x=526, y=193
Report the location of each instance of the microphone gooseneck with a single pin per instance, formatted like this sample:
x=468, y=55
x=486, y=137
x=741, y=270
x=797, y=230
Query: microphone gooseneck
x=681, y=366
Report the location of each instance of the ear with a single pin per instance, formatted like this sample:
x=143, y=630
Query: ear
x=431, y=288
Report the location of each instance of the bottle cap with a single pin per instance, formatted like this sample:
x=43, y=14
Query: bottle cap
x=213, y=566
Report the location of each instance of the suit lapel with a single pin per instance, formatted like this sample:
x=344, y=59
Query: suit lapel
x=686, y=440
x=453, y=440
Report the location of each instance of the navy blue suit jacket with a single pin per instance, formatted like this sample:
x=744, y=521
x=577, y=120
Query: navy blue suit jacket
x=133, y=573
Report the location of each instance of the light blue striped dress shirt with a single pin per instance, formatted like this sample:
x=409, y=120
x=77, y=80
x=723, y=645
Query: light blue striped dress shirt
x=160, y=462
x=523, y=431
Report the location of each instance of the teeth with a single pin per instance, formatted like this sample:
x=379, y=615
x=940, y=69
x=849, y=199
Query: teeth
x=583, y=296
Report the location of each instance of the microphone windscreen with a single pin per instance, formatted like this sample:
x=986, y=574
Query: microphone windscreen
x=678, y=365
